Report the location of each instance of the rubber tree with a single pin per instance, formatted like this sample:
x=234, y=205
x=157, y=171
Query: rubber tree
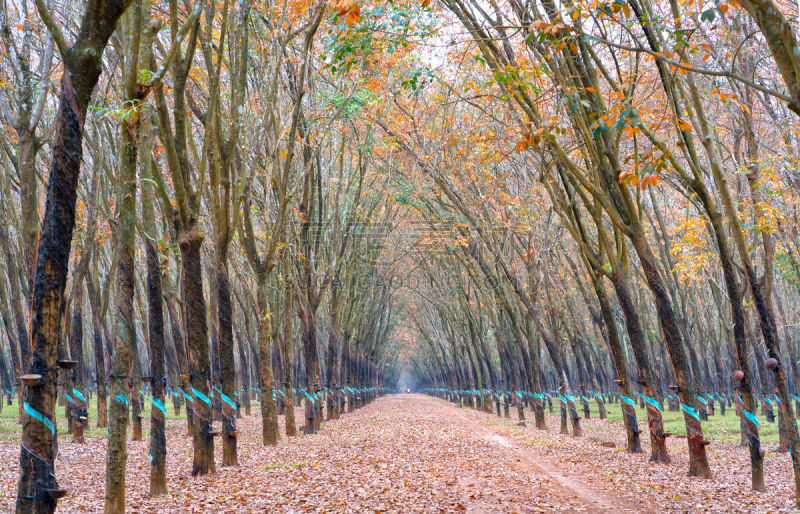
x=281, y=168
x=220, y=153
x=675, y=87
x=571, y=68
x=309, y=290
x=124, y=377
x=174, y=133
x=565, y=201
x=38, y=489
x=79, y=403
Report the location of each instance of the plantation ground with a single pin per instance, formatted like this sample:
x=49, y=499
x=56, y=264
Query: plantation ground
x=413, y=453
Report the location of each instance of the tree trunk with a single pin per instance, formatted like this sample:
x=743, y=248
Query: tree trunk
x=190, y=240
x=346, y=372
x=288, y=358
x=269, y=417
x=309, y=329
x=658, y=444
x=227, y=371
x=698, y=462
x=749, y=420
x=621, y=367
x=28, y=195
x=125, y=372
x=155, y=310
x=79, y=402
x=39, y=445
x=99, y=357
x=332, y=364
x=38, y=489
x=244, y=397
x=158, y=412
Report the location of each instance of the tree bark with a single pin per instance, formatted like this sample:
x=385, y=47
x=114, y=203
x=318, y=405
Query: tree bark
x=230, y=456
x=79, y=403
x=190, y=240
x=698, y=461
x=621, y=367
x=269, y=417
x=99, y=356
x=155, y=311
x=309, y=331
x=38, y=489
x=288, y=358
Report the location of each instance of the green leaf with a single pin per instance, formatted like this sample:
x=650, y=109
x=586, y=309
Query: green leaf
x=709, y=15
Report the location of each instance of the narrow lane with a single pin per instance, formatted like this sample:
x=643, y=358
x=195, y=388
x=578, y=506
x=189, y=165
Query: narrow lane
x=401, y=453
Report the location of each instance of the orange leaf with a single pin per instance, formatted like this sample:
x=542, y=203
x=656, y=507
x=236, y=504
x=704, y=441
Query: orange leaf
x=353, y=15
x=342, y=6
x=649, y=181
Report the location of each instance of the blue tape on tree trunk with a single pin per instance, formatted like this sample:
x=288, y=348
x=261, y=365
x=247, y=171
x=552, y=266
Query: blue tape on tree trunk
x=121, y=398
x=652, y=402
x=200, y=396
x=41, y=418
x=158, y=404
x=226, y=398
x=690, y=411
x=79, y=395
x=751, y=417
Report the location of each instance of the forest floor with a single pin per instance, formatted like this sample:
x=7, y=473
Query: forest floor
x=411, y=453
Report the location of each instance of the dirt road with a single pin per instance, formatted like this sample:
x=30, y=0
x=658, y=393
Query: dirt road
x=401, y=453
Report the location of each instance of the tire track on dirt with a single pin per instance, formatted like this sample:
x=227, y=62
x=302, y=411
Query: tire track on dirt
x=526, y=459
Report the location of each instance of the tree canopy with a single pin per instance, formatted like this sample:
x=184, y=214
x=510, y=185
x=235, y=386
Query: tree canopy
x=213, y=203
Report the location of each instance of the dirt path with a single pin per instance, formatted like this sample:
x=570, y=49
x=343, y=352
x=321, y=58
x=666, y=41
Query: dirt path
x=411, y=453
x=610, y=478
x=567, y=484
x=403, y=453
